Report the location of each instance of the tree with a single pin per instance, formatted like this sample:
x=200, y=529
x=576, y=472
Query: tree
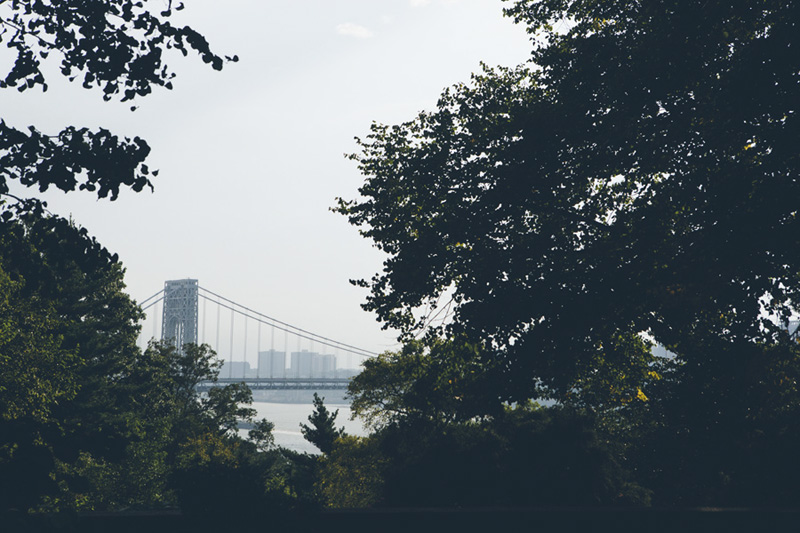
x=322, y=432
x=117, y=46
x=210, y=468
x=720, y=428
x=261, y=434
x=185, y=448
x=435, y=381
x=351, y=477
x=177, y=372
x=71, y=419
x=36, y=374
x=637, y=176
x=65, y=296
x=637, y=179
x=525, y=455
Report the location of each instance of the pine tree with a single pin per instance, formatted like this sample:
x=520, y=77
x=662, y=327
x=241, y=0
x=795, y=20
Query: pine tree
x=322, y=433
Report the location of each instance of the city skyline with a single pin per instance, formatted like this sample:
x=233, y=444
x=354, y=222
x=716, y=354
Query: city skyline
x=302, y=364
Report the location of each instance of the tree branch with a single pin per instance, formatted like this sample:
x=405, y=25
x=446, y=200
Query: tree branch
x=23, y=31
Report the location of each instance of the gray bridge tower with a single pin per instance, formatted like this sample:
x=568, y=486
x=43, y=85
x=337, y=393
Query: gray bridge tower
x=179, y=321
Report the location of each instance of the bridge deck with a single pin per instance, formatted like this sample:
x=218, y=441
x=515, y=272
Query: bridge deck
x=281, y=383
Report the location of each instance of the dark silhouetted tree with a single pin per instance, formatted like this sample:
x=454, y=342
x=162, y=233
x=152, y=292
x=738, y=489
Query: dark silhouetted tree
x=432, y=380
x=120, y=47
x=638, y=175
x=322, y=431
x=78, y=414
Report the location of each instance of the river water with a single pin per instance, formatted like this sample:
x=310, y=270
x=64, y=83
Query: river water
x=288, y=416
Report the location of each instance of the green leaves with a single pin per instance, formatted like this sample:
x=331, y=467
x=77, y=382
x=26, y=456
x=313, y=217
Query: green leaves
x=67, y=337
x=322, y=432
x=36, y=371
x=261, y=434
x=434, y=381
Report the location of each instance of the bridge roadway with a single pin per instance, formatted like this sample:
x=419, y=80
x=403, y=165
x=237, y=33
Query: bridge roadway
x=280, y=383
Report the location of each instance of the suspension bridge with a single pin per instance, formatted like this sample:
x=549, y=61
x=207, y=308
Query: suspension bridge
x=262, y=351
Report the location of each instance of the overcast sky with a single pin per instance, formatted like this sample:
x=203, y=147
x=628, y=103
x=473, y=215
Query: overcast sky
x=251, y=158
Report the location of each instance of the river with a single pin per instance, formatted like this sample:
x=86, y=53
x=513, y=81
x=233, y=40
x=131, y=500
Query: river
x=288, y=416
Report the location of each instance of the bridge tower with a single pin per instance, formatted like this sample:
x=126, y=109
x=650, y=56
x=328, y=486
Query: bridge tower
x=179, y=320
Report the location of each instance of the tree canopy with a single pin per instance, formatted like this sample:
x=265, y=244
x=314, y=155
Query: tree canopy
x=635, y=181
x=71, y=333
x=120, y=47
x=437, y=382
x=87, y=420
x=90, y=421
x=637, y=175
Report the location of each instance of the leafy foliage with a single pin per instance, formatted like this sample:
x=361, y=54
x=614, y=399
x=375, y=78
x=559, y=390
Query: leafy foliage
x=621, y=372
x=526, y=456
x=36, y=374
x=351, y=476
x=65, y=294
x=638, y=176
x=637, y=179
x=322, y=432
x=433, y=380
x=719, y=430
x=75, y=157
x=261, y=434
x=118, y=46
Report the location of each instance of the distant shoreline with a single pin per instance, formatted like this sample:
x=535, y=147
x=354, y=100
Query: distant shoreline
x=332, y=397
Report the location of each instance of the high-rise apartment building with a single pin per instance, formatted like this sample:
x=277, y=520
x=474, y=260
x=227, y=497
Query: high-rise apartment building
x=305, y=364
x=272, y=364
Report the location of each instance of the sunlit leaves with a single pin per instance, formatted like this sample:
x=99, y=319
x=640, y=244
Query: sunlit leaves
x=66, y=338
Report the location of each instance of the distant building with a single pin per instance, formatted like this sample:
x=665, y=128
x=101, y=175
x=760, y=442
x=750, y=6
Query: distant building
x=323, y=365
x=301, y=364
x=305, y=364
x=235, y=369
x=347, y=372
x=272, y=364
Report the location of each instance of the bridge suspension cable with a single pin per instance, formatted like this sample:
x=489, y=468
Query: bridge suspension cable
x=283, y=326
x=238, y=352
x=151, y=304
x=288, y=328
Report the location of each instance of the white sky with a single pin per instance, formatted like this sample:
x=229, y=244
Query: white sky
x=251, y=158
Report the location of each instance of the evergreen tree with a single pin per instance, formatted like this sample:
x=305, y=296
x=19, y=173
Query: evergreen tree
x=322, y=433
